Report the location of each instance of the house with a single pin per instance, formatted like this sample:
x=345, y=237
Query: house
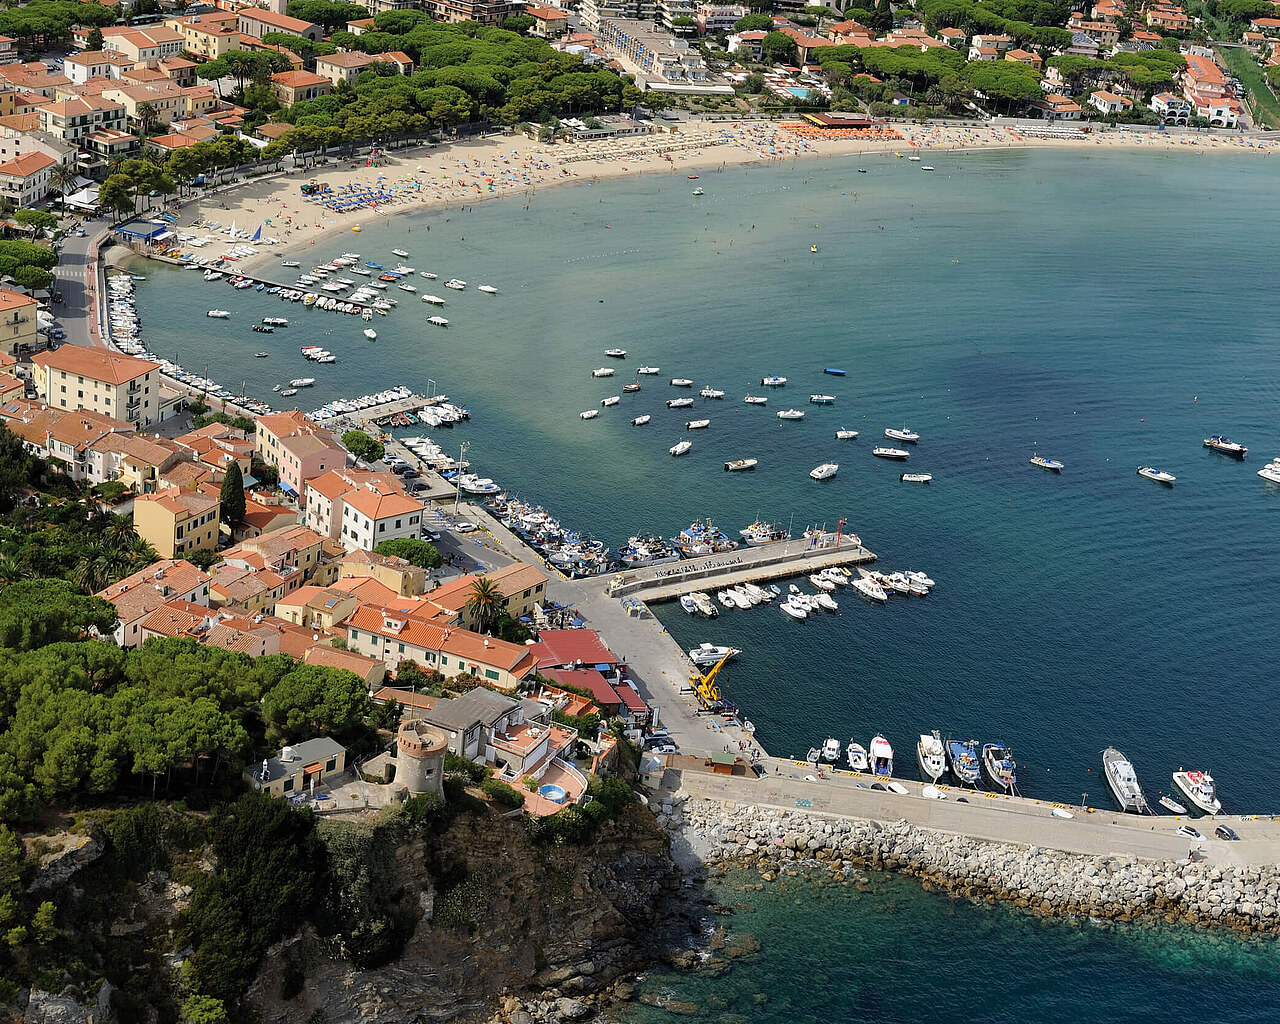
x=984, y=53
x=247, y=590
x=75, y=377
x=8, y=53
x=292, y=554
x=1032, y=60
x=262, y=515
x=1173, y=109
x=145, y=45
x=748, y=43
x=603, y=693
x=999, y=43
x=290, y=87
x=1056, y=107
x=298, y=768
x=371, y=670
x=254, y=21
x=372, y=514
x=177, y=522
x=140, y=462
x=953, y=37
x=398, y=59
x=1083, y=45
x=521, y=585
x=573, y=648
x=80, y=67
x=1266, y=26
x=713, y=19
x=1104, y=33
x=318, y=608
x=137, y=596
x=24, y=180
x=17, y=322
x=298, y=448
x=1109, y=102
x=73, y=119
x=552, y=23
x=204, y=37
x=343, y=67
x=399, y=576
x=1172, y=19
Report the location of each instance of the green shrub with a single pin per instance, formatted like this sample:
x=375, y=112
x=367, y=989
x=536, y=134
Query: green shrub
x=501, y=793
x=456, y=764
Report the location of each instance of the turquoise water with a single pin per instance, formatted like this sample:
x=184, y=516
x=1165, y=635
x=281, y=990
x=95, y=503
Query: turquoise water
x=898, y=954
x=1109, y=310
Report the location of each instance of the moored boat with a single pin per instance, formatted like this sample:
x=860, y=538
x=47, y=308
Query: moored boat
x=881, y=757
x=1052, y=465
x=915, y=478
x=1226, y=446
x=680, y=448
x=890, y=453
x=697, y=424
x=640, y=421
x=1170, y=804
x=904, y=434
x=1271, y=471
x=1001, y=768
x=1199, y=788
x=824, y=472
x=1123, y=781
x=845, y=434
x=856, y=756
x=706, y=655
x=1157, y=475
x=756, y=400
x=831, y=750
x=616, y=353
x=791, y=414
x=930, y=755
x=681, y=382
x=739, y=465
x=761, y=532
x=603, y=371
x=773, y=382
x=962, y=759
x=679, y=403
x=822, y=399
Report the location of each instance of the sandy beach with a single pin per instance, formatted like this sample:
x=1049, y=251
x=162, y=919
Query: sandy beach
x=514, y=166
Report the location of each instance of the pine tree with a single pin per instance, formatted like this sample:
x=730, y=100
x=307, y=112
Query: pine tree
x=233, y=496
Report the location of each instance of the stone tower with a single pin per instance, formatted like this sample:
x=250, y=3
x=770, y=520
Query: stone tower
x=420, y=750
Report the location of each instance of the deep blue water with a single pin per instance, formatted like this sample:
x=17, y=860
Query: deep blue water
x=1109, y=310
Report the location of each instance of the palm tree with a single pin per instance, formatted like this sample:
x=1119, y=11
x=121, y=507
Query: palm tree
x=485, y=603
x=61, y=179
x=148, y=118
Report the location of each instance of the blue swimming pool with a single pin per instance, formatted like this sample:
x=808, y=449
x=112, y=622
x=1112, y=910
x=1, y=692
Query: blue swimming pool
x=555, y=794
x=800, y=94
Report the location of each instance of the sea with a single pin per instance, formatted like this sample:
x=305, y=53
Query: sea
x=1108, y=309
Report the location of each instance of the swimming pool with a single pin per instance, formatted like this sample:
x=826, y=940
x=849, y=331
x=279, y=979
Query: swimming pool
x=800, y=94
x=555, y=794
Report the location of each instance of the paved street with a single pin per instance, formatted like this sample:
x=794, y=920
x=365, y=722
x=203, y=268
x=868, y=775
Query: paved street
x=76, y=313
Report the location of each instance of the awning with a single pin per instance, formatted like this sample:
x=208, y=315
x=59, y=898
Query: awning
x=287, y=489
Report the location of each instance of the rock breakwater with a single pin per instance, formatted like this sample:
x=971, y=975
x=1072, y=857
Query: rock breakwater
x=1047, y=882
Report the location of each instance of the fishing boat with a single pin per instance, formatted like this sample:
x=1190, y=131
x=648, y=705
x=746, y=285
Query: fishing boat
x=915, y=478
x=640, y=421
x=371, y=334
x=1123, y=781
x=437, y=321
x=1001, y=768
x=834, y=372
x=1052, y=465
x=824, y=472
x=1170, y=804
x=649, y=371
x=773, y=382
x=681, y=382
x=881, y=757
x=616, y=353
x=705, y=655
x=761, y=532
x=1226, y=446
x=1198, y=787
x=822, y=399
x=791, y=414
x=697, y=424
x=1157, y=475
x=845, y=434
x=680, y=448
x=894, y=434
x=739, y=465
x=702, y=537
x=590, y=414
x=856, y=756
x=962, y=759
x=931, y=756
x=890, y=453
x=756, y=400
x=679, y=403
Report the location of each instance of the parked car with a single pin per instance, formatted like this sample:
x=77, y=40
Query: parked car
x=1226, y=832
x=1187, y=832
x=663, y=748
x=760, y=770
x=409, y=473
x=465, y=527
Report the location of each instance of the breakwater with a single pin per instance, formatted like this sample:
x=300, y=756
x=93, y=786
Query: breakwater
x=1120, y=887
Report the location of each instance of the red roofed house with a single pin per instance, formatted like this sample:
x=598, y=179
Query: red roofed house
x=298, y=448
x=137, y=596
x=177, y=522
x=1055, y=107
x=1032, y=60
x=290, y=87
x=256, y=22
x=24, y=180
x=1109, y=102
x=75, y=377
x=344, y=66
x=572, y=648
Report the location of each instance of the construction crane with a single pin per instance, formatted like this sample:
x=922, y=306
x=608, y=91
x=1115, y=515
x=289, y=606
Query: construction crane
x=705, y=687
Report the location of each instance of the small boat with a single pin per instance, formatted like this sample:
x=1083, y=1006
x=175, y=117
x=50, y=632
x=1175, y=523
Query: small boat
x=998, y=761
x=456, y=285
x=1170, y=804
x=813, y=248
x=697, y=191
x=371, y=334
x=710, y=392
x=697, y=424
x=372, y=266
x=681, y=382
x=756, y=400
x=275, y=321
x=1061, y=812
x=680, y=448
x=856, y=756
x=428, y=275
x=915, y=478
x=703, y=603
x=930, y=755
x=438, y=321
x=845, y=434
x=904, y=434
x=290, y=263
x=603, y=371
x=288, y=391
x=590, y=414
x=1053, y=465
x=689, y=604
x=1198, y=787
x=693, y=177
x=791, y=414
x=862, y=170
x=927, y=167
x=824, y=472
x=263, y=329
x=401, y=253
x=488, y=289
x=832, y=371
x=822, y=399
x=1271, y=471
x=434, y=300
x=1123, y=781
x=821, y=582
x=831, y=749
x=962, y=759
x=1157, y=475
x=611, y=401
x=705, y=655
x=1226, y=446
x=790, y=608
x=218, y=314
x=640, y=421
x=881, y=755
x=679, y=403
x=914, y=159
x=739, y=465
x=649, y=371
x=773, y=382
x=302, y=382
x=932, y=793
x=616, y=353
x=890, y=453
x=261, y=355
x=869, y=588
x=631, y=388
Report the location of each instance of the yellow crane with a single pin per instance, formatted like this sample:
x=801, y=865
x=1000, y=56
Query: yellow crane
x=704, y=684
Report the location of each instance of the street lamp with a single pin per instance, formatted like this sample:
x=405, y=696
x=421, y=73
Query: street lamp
x=457, y=491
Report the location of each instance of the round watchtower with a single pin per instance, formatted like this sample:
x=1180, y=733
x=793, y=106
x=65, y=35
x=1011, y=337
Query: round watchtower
x=420, y=750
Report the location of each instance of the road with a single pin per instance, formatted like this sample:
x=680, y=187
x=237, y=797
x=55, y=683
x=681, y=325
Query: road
x=76, y=314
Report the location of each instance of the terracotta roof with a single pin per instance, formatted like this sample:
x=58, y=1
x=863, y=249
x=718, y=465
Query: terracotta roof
x=237, y=586
x=347, y=59
x=10, y=300
x=568, y=646
x=175, y=618
x=331, y=657
x=298, y=79
x=280, y=21
x=180, y=503
x=95, y=363
x=514, y=579
x=148, y=589
x=25, y=166
x=381, y=506
x=370, y=619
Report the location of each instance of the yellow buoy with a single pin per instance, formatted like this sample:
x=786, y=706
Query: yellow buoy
x=356, y=228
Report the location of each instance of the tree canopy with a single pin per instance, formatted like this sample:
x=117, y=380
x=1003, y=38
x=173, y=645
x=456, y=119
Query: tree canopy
x=419, y=552
x=362, y=446
x=328, y=14
x=232, y=496
x=29, y=265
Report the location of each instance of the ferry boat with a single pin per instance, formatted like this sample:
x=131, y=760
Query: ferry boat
x=740, y=465
x=962, y=758
x=791, y=414
x=756, y=400
x=824, y=472
x=616, y=353
x=998, y=760
x=603, y=371
x=646, y=549
x=1198, y=787
x=915, y=478
x=702, y=537
x=1225, y=445
x=845, y=434
x=1157, y=475
x=697, y=424
x=890, y=453
x=881, y=756
x=893, y=434
x=1123, y=781
x=772, y=382
x=1052, y=465
x=856, y=756
x=640, y=421
x=1271, y=471
x=822, y=399
x=931, y=756
x=681, y=382
x=761, y=532
x=679, y=403
x=680, y=448
x=706, y=655
x=649, y=371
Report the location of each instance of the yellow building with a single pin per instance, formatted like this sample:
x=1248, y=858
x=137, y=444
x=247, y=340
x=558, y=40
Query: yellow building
x=177, y=523
x=17, y=322
x=75, y=377
x=298, y=768
x=206, y=37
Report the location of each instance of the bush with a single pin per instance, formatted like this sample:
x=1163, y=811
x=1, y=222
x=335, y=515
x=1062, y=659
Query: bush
x=362, y=446
x=455, y=764
x=500, y=792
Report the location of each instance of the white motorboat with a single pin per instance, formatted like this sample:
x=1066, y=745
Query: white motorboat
x=791, y=608
x=456, y=285
x=1157, y=475
x=869, y=588
x=1052, y=465
x=1226, y=446
x=844, y=434
x=404, y=286
x=649, y=371
x=276, y=321
x=881, y=757
x=697, y=424
x=488, y=289
x=791, y=414
x=743, y=594
x=288, y=391
x=831, y=750
x=893, y=434
x=371, y=334
x=773, y=382
x=679, y=403
x=218, y=314
x=680, y=448
x=590, y=414
x=401, y=253
x=689, y=604
x=1198, y=787
x=931, y=756
x=756, y=400
x=821, y=582
x=822, y=399
x=681, y=382
x=890, y=453
x=706, y=655
x=825, y=601
x=703, y=603
x=766, y=596
x=919, y=577
x=428, y=275
x=824, y=472
x=481, y=486
x=740, y=465
x=1123, y=781
x=603, y=371
x=836, y=576
x=915, y=478
x=710, y=392
x=1271, y=471
x=616, y=353
x=437, y=321
x=856, y=756
x=290, y=263
x=302, y=382
x=727, y=599
x=434, y=300
x=1170, y=804
x=640, y=421
x=610, y=401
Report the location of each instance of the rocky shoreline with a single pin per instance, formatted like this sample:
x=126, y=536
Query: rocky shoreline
x=1047, y=882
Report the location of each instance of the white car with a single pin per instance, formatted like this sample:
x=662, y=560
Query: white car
x=465, y=527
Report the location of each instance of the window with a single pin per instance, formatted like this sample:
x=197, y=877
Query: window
x=443, y=661
x=382, y=527
x=401, y=648
x=355, y=635
x=79, y=394
x=331, y=764
x=490, y=674
x=288, y=785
